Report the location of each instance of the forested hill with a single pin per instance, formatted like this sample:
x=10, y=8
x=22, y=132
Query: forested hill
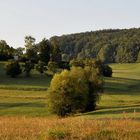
x=120, y=46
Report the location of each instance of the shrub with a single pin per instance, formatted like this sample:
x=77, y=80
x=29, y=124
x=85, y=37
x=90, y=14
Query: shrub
x=13, y=68
x=28, y=66
x=70, y=92
x=93, y=63
x=101, y=68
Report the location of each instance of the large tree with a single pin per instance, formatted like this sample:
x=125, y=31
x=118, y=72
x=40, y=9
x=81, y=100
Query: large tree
x=6, y=52
x=55, y=51
x=44, y=50
x=29, y=42
x=13, y=68
x=31, y=49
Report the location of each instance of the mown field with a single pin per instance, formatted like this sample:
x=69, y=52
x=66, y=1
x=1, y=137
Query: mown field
x=122, y=93
x=27, y=96
x=23, y=96
x=24, y=115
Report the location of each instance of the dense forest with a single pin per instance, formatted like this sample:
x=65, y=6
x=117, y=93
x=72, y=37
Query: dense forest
x=110, y=46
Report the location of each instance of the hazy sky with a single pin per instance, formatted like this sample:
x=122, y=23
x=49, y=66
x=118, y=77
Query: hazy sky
x=45, y=18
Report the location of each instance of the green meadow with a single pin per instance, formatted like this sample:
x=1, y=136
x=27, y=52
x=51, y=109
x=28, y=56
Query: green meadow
x=27, y=96
x=121, y=97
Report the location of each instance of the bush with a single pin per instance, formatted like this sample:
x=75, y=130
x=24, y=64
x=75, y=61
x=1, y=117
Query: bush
x=101, y=68
x=28, y=66
x=13, y=69
x=94, y=64
x=70, y=92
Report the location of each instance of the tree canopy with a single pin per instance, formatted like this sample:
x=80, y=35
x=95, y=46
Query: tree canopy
x=110, y=46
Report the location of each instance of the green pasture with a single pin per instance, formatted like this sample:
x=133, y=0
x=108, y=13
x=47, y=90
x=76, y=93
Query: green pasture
x=27, y=96
x=121, y=97
x=35, y=82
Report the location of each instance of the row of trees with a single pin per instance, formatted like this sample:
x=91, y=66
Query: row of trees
x=46, y=55
x=110, y=46
x=41, y=56
x=43, y=51
x=14, y=68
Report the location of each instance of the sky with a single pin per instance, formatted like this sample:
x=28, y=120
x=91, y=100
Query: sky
x=46, y=18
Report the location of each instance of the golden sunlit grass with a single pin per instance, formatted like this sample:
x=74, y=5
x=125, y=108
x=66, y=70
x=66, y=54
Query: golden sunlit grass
x=21, y=128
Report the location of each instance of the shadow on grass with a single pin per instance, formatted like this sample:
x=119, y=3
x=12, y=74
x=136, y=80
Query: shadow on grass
x=13, y=105
x=116, y=86
x=122, y=85
x=113, y=111
x=117, y=107
x=35, y=80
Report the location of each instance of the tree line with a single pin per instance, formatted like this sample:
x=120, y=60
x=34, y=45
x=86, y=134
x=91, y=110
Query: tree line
x=43, y=51
x=110, y=46
x=41, y=56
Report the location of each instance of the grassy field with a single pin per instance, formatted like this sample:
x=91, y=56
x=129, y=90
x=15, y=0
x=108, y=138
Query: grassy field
x=23, y=96
x=24, y=115
x=27, y=96
x=122, y=93
x=36, y=81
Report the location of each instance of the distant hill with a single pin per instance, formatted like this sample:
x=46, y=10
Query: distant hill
x=111, y=46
